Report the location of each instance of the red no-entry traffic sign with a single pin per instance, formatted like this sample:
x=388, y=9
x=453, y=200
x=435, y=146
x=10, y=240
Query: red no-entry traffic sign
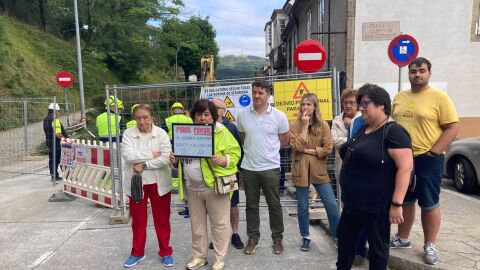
x=309, y=56
x=64, y=79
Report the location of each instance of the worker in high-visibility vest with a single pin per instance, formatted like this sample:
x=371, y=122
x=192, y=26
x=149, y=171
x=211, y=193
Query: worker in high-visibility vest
x=178, y=116
x=54, y=132
x=102, y=120
x=132, y=122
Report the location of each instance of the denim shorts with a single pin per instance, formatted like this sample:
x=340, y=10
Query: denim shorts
x=428, y=172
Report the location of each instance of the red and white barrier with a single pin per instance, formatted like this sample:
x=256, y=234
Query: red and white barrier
x=89, y=177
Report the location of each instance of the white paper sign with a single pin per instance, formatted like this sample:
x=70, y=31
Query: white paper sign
x=236, y=97
x=192, y=140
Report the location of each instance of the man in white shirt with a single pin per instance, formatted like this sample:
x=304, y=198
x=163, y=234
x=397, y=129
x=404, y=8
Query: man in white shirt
x=263, y=130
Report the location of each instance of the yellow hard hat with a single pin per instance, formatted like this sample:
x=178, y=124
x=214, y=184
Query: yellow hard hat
x=177, y=105
x=111, y=100
x=134, y=106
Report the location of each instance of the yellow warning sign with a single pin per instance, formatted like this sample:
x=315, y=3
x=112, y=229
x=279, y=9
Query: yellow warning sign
x=288, y=95
x=229, y=103
x=229, y=115
x=300, y=91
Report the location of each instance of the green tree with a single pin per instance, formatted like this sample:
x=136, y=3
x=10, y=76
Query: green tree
x=192, y=38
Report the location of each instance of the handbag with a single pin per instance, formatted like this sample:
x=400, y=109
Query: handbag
x=224, y=184
x=136, y=188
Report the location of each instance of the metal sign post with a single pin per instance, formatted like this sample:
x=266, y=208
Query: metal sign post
x=401, y=51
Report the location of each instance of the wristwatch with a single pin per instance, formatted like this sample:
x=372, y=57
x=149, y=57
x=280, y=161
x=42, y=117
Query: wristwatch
x=396, y=204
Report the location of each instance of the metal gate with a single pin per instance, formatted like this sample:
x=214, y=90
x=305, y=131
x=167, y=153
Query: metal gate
x=22, y=139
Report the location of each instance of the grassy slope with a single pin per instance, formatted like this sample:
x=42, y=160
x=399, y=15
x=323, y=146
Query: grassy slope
x=30, y=59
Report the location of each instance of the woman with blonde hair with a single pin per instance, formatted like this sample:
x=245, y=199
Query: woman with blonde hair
x=311, y=142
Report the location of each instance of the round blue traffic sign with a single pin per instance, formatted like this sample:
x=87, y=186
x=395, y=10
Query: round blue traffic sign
x=402, y=50
x=244, y=100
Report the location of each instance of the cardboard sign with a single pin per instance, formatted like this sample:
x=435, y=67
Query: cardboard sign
x=192, y=140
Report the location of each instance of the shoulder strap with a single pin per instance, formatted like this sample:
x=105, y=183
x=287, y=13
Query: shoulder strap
x=210, y=167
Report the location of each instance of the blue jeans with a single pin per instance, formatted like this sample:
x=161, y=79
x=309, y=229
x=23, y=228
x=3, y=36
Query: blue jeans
x=325, y=193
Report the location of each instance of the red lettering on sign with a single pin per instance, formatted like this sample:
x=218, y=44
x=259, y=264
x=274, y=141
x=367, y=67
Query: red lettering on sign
x=203, y=131
x=183, y=129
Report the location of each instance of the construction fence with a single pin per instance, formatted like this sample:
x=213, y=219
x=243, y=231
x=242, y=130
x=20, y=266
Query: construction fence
x=22, y=139
x=236, y=93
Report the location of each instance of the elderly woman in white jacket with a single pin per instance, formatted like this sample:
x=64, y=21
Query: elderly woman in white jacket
x=146, y=150
x=341, y=125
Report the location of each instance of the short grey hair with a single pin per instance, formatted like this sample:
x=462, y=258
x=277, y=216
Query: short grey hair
x=219, y=100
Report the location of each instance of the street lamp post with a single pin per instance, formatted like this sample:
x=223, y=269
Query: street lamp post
x=79, y=62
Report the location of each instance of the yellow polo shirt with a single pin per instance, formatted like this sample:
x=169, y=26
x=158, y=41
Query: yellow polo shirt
x=422, y=115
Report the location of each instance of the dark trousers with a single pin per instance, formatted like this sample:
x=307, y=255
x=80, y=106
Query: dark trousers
x=377, y=228
x=268, y=182
x=54, y=158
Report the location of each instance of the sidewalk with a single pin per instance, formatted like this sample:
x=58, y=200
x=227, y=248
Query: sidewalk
x=458, y=240
x=37, y=234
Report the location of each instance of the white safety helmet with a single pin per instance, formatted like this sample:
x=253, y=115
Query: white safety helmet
x=54, y=106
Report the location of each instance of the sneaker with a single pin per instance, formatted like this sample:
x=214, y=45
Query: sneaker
x=277, y=247
x=396, y=242
x=431, y=254
x=210, y=246
x=251, y=247
x=218, y=265
x=237, y=241
x=133, y=260
x=184, y=212
x=359, y=260
x=305, y=244
x=196, y=263
x=168, y=261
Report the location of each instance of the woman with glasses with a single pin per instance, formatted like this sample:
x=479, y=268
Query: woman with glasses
x=311, y=142
x=197, y=179
x=375, y=174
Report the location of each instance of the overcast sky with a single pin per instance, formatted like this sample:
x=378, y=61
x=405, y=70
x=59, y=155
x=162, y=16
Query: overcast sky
x=239, y=23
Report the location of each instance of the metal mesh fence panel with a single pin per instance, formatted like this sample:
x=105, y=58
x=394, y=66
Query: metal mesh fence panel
x=22, y=139
x=162, y=96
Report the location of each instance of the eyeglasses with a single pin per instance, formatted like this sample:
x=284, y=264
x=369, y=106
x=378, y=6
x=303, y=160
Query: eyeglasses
x=218, y=108
x=364, y=103
x=349, y=103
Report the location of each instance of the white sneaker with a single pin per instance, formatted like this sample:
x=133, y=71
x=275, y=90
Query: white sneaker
x=431, y=254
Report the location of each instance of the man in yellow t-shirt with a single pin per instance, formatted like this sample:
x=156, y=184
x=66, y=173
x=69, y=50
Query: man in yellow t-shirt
x=429, y=115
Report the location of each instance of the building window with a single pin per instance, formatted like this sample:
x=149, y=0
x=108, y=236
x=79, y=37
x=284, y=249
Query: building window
x=309, y=23
x=282, y=25
x=475, y=28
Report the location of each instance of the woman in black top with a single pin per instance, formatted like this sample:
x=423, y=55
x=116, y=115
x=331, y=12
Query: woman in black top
x=374, y=179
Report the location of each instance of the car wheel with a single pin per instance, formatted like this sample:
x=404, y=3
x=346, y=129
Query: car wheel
x=464, y=176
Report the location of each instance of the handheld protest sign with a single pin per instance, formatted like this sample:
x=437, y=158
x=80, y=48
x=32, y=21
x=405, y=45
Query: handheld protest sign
x=192, y=140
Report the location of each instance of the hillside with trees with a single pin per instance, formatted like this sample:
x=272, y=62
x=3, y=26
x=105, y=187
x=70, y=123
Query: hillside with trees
x=123, y=42
x=231, y=66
